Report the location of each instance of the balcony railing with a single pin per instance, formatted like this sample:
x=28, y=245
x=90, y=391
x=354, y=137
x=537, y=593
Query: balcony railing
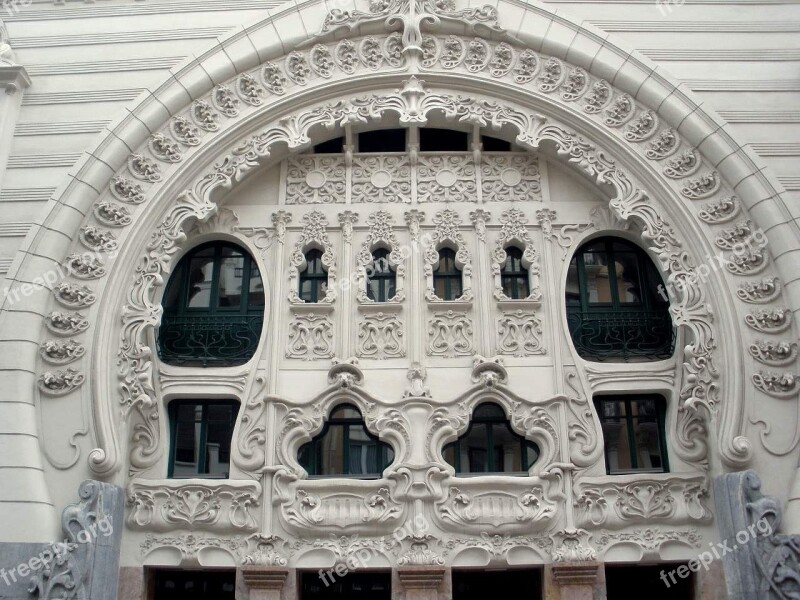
x=621, y=335
x=209, y=340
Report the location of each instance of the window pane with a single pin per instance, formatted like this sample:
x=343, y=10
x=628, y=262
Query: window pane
x=187, y=440
x=231, y=272
x=201, y=270
x=618, y=452
x=218, y=443
x=256, y=295
x=332, y=451
x=598, y=287
x=345, y=412
x=474, y=450
x=628, y=286
x=507, y=451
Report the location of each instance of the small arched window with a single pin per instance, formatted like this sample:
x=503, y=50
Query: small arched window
x=490, y=445
x=314, y=279
x=381, y=279
x=447, y=281
x=213, y=308
x=513, y=276
x=345, y=447
x=617, y=306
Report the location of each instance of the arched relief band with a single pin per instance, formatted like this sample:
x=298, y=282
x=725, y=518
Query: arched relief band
x=168, y=155
x=412, y=104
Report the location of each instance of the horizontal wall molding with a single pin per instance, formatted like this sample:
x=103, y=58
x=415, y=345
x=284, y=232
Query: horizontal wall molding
x=5, y=265
x=792, y=184
x=59, y=128
x=88, y=12
x=122, y=37
x=737, y=54
x=756, y=116
x=32, y=161
x=741, y=85
x=106, y=66
x=776, y=148
x=81, y=97
x=15, y=229
x=41, y=194
x=699, y=26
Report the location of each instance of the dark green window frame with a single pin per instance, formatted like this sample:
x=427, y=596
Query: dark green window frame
x=315, y=274
x=448, y=275
x=310, y=454
x=490, y=414
x=630, y=429
x=382, y=274
x=513, y=276
x=215, y=334
x=202, y=462
x=614, y=329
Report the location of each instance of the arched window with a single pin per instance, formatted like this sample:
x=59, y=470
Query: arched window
x=490, y=445
x=513, y=276
x=345, y=447
x=447, y=282
x=314, y=279
x=213, y=308
x=381, y=279
x=617, y=306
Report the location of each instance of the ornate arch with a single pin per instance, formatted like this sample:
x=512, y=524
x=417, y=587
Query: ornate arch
x=664, y=148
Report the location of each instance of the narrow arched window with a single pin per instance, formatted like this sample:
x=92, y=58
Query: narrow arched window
x=381, y=279
x=447, y=282
x=513, y=276
x=617, y=305
x=345, y=447
x=490, y=445
x=313, y=279
x=213, y=308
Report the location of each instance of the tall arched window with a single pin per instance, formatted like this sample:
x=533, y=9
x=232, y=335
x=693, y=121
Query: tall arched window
x=617, y=305
x=447, y=281
x=381, y=279
x=513, y=276
x=345, y=447
x=213, y=308
x=314, y=279
x=490, y=445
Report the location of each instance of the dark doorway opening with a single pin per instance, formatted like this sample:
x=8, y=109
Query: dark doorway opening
x=194, y=585
x=327, y=585
x=676, y=583
x=480, y=585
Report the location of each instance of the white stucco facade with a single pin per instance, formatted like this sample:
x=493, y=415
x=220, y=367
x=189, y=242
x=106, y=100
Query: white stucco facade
x=133, y=132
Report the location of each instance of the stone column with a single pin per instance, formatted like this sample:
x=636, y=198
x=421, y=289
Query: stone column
x=575, y=581
x=421, y=582
x=264, y=583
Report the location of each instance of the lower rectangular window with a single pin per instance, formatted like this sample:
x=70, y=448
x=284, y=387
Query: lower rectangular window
x=328, y=584
x=480, y=585
x=655, y=582
x=633, y=433
x=181, y=584
x=201, y=433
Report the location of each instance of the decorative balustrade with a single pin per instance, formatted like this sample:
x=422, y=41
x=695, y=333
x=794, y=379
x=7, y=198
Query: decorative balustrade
x=209, y=340
x=621, y=335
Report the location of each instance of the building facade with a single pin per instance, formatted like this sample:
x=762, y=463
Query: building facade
x=413, y=298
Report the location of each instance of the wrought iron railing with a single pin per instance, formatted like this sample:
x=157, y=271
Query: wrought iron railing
x=621, y=335
x=216, y=340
